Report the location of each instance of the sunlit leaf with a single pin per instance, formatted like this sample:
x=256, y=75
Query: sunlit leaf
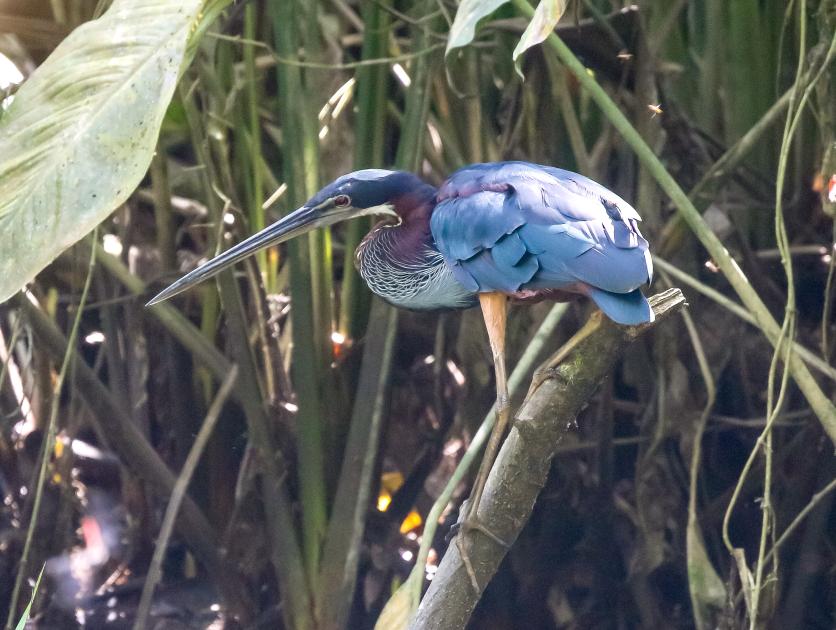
x=80, y=133
x=545, y=18
x=469, y=14
x=397, y=612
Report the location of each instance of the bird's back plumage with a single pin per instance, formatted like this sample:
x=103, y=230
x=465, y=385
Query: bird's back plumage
x=520, y=227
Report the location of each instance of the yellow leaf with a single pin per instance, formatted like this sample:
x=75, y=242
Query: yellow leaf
x=397, y=612
x=412, y=520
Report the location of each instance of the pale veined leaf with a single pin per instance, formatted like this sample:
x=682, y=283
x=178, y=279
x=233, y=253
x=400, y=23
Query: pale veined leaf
x=80, y=133
x=708, y=593
x=471, y=12
x=545, y=18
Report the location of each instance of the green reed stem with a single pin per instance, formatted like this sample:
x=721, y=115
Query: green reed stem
x=370, y=129
x=49, y=438
x=311, y=317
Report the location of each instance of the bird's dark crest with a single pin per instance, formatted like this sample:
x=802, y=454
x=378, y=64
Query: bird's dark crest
x=373, y=187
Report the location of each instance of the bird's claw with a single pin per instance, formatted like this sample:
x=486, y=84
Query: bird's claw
x=461, y=530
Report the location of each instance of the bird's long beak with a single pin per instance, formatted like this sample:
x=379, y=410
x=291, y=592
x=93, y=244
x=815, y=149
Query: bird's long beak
x=298, y=222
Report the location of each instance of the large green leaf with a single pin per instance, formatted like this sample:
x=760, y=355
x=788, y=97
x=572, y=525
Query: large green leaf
x=81, y=131
x=468, y=15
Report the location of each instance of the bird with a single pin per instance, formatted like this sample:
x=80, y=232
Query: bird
x=489, y=234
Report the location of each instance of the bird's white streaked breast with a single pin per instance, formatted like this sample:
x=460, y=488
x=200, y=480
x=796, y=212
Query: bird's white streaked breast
x=425, y=283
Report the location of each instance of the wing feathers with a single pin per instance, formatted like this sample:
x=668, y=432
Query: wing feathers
x=513, y=225
x=509, y=250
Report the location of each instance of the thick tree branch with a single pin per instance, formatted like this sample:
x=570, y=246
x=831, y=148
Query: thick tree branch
x=556, y=397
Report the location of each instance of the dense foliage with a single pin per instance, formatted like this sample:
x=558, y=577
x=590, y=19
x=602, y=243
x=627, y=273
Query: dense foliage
x=269, y=447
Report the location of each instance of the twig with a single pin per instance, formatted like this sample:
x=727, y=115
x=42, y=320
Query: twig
x=558, y=394
x=719, y=172
x=317, y=65
x=703, y=581
x=814, y=502
x=733, y=307
x=177, y=495
x=350, y=510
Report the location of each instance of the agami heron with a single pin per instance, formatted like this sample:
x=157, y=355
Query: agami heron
x=490, y=232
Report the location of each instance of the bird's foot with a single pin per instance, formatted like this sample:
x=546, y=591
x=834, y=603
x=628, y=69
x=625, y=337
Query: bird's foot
x=547, y=369
x=463, y=530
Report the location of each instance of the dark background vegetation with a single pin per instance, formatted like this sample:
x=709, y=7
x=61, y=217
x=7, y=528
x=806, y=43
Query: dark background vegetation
x=278, y=98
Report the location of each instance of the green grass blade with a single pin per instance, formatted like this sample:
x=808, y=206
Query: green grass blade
x=28, y=610
x=253, y=155
x=286, y=555
x=50, y=433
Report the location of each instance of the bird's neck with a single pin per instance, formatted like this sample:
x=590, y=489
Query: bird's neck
x=415, y=205
x=401, y=264
x=407, y=244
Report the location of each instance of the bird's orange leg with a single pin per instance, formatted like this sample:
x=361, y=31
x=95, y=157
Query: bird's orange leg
x=495, y=310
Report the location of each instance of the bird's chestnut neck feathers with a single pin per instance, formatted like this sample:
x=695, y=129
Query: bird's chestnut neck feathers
x=415, y=204
x=400, y=262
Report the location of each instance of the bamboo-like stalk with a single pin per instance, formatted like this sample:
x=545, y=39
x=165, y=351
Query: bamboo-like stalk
x=369, y=135
x=820, y=404
x=340, y=562
x=163, y=219
x=311, y=325
x=285, y=551
x=255, y=188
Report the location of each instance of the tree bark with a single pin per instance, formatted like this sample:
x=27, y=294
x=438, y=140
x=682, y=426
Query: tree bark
x=556, y=397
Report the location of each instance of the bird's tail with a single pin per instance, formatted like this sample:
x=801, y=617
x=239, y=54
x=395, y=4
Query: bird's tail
x=623, y=308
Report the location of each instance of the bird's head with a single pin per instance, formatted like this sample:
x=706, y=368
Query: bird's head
x=361, y=193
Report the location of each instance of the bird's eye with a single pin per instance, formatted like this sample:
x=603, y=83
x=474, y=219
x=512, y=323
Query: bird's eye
x=342, y=201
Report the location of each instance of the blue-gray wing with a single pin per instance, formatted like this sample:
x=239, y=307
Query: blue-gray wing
x=515, y=226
